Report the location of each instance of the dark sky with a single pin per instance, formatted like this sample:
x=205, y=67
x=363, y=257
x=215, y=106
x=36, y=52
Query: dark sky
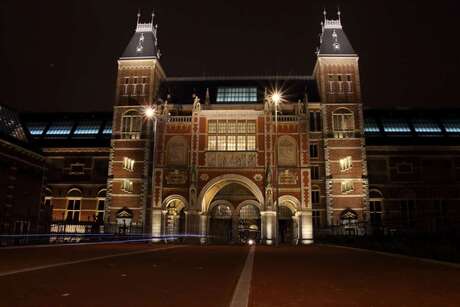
x=61, y=55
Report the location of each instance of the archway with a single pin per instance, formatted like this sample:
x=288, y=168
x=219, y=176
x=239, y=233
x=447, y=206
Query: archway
x=174, y=217
x=249, y=221
x=220, y=221
x=288, y=223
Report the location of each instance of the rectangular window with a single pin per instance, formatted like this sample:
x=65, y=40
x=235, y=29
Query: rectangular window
x=231, y=135
x=408, y=212
x=313, y=150
x=315, y=197
x=221, y=142
x=345, y=164
x=127, y=186
x=236, y=94
x=128, y=164
x=343, y=125
x=100, y=210
x=316, y=218
x=73, y=210
x=241, y=144
x=340, y=83
x=231, y=142
x=315, y=172
x=212, y=142
x=251, y=142
x=375, y=212
x=346, y=186
x=315, y=121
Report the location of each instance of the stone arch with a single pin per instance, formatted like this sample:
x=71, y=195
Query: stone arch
x=287, y=151
x=74, y=192
x=171, y=198
x=102, y=193
x=177, y=151
x=221, y=202
x=215, y=185
x=246, y=203
x=290, y=202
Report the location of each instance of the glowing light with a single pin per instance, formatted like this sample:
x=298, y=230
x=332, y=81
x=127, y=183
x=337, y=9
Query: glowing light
x=276, y=97
x=251, y=242
x=149, y=112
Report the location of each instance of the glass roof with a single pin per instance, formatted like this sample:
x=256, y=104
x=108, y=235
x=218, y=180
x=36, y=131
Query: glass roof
x=87, y=127
x=392, y=125
x=236, y=94
x=370, y=125
x=426, y=126
x=10, y=124
x=451, y=125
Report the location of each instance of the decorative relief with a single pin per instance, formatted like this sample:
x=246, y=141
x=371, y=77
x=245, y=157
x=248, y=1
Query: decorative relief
x=204, y=177
x=286, y=177
x=258, y=177
x=287, y=151
x=176, y=177
x=176, y=151
x=231, y=159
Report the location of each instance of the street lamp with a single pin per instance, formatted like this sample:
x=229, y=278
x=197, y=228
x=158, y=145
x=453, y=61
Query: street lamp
x=276, y=98
x=151, y=114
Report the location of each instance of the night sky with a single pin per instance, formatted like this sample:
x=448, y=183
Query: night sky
x=61, y=55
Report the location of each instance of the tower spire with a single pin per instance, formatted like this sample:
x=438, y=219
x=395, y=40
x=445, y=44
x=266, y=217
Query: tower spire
x=138, y=16
x=338, y=14
x=153, y=16
x=325, y=15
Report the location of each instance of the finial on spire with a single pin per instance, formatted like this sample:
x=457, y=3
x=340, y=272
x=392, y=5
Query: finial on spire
x=153, y=15
x=138, y=15
x=338, y=13
x=325, y=15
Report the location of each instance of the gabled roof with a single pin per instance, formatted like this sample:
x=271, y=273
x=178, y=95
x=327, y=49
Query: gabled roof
x=144, y=42
x=333, y=40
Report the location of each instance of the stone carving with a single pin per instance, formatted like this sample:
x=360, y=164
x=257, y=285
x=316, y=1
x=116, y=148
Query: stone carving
x=176, y=152
x=176, y=177
x=258, y=177
x=231, y=159
x=287, y=151
x=204, y=177
x=196, y=103
x=286, y=177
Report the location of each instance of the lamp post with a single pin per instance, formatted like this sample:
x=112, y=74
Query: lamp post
x=276, y=100
x=151, y=114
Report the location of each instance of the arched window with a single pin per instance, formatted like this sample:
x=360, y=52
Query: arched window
x=287, y=151
x=131, y=124
x=222, y=211
x=343, y=123
x=375, y=208
x=72, y=213
x=249, y=212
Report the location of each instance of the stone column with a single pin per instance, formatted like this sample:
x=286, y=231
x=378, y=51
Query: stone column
x=268, y=225
x=192, y=224
x=203, y=228
x=157, y=221
x=306, y=226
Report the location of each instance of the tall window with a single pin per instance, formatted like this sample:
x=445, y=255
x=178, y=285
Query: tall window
x=127, y=186
x=315, y=172
x=128, y=164
x=100, y=209
x=316, y=217
x=232, y=135
x=343, y=123
x=131, y=124
x=346, y=186
x=375, y=208
x=134, y=86
x=313, y=150
x=73, y=210
x=340, y=84
x=345, y=164
x=315, y=121
x=315, y=196
x=408, y=212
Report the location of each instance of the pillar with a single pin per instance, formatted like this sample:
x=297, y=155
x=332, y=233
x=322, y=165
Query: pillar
x=306, y=226
x=203, y=228
x=268, y=225
x=157, y=217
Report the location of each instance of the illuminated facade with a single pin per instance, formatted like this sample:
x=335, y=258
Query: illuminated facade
x=280, y=158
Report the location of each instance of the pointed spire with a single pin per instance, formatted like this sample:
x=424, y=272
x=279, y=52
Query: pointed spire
x=338, y=14
x=138, y=16
x=325, y=15
x=153, y=16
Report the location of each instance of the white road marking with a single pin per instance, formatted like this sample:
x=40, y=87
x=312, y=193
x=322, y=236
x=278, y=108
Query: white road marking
x=241, y=294
x=54, y=265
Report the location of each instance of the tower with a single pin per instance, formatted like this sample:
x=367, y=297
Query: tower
x=130, y=170
x=337, y=76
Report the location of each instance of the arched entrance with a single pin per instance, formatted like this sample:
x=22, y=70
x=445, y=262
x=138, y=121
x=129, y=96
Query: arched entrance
x=220, y=223
x=286, y=225
x=219, y=197
x=174, y=218
x=249, y=223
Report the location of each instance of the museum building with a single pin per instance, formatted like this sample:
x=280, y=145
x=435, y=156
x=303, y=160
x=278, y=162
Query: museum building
x=278, y=157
